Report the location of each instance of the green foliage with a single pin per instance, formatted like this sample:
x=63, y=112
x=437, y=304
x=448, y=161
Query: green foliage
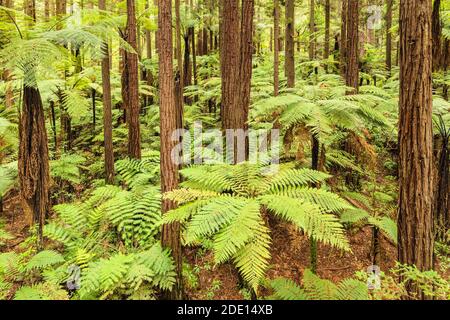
x=44, y=259
x=315, y=288
x=228, y=203
x=67, y=167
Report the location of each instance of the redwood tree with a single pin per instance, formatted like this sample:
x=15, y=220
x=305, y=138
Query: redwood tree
x=326, y=50
x=170, y=236
x=131, y=76
x=415, y=138
x=276, y=46
x=343, y=42
x=352, y=47
x=236, y=63
x=289, y=67
x=389, y=35
x=107, y=113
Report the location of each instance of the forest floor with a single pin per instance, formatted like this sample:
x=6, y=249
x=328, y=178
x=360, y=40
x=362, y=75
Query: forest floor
x=290, y=257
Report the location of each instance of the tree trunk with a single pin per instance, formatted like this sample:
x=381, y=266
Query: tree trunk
x=352, y=49
x=178, y=41
x=131, y=66
x=289, y=67
x=436, y=29
x=343, y=46
x=33, y=161
x=326, y=50
x=389, y=35
x=30, y=9
x=170, y=236
x=276, y=46
x=107, y=113
x=230, y=56
x=312, y=30
x=245, y=74
x=415, y=218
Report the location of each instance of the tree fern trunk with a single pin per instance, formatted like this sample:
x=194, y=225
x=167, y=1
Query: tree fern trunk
x=315, y=147
x=376, y=249
x=33, y=161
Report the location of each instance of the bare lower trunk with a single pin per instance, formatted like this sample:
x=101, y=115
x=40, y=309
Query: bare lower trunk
x=276, y=45
x=343, y=46
x=289, y=67
x=134, y=134
x=352, y=49
x=33, y=160
x=170, y=236
x=107, y=112
x=415, y=218
x=389, y=35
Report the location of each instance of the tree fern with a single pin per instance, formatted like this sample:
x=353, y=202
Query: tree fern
x=224, y=202
x=44, y=259
x=315, y=288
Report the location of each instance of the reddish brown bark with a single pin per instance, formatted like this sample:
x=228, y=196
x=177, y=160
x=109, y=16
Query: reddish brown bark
x=33, y=161
x=132, y=78
x=436, y=30
x=289, y=67
x=352, y=49
x=389, y=35
x=276, y=45
x=170, y=236
x=326, y=49
x=343, y=42
x=107, y=113
x=415, y=218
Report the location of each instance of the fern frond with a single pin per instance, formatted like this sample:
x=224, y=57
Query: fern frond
x=295, y=178
x=328, y=201
x=286, y=289
x=352, y=289
x=308, y=217
x=238, y=232
x=44, y=259
x=252, y=260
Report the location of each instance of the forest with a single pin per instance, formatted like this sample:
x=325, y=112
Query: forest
x=224, y=150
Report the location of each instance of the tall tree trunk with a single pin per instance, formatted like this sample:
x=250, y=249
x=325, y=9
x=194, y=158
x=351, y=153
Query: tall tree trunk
x=131, y=66
x=245, y=73
x=47, y=5
x=33, y=161
x=436, y=29
x=30, y=9
x=178, y=41
x=289, y=67
x=326, y=49
x=352, y=40
x=170, y=236
x=343, y=46
x=389, y=35
x=312, y=31
x=107, y=113
x=230, y=56
x=148, y=73
x=415, y=138
x=276, y=47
